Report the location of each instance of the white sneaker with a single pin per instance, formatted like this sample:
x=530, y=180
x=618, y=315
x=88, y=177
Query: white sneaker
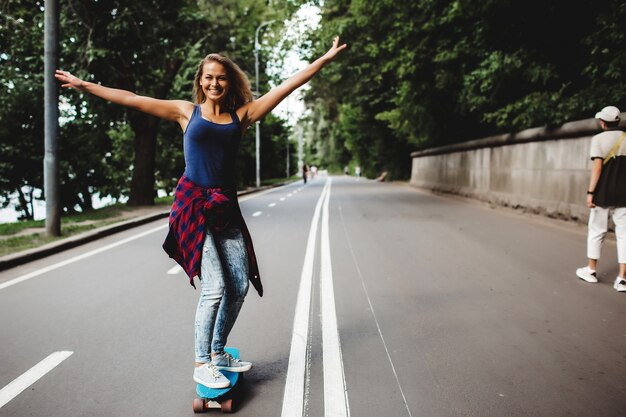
x=209, y=376
x=226, y=362
x=620, y=284
x=587, y=274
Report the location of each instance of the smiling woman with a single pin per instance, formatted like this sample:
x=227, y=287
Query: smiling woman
x=217, y=76
x=207, y=234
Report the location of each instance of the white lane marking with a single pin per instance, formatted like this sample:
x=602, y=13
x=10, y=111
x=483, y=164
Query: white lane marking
x=104, y=248
x=335, y=392
x=282, y=199
x=78, y=258
x=369, y=301
x=175, y=270
x=257, y=213
x=294, y=398
x=271, y=204
x=289, y=195
x=31, y=376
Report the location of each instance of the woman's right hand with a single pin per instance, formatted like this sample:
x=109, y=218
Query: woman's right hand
x=590, y=201
x=68, y=80
x=175, y=110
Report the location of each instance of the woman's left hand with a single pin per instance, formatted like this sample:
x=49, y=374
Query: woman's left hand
x=334, y=50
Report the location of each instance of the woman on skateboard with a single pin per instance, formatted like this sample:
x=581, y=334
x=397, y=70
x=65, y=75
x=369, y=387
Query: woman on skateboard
x=207, y=234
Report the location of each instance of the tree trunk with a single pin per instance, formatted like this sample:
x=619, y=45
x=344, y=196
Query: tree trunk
x=145, y=128
x=24, y=205
x=32, y=202
x=85, y=201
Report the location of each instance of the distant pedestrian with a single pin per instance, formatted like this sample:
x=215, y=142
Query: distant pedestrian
x=357, y=171
x=207, y=234
x=346, y=170
x=305, y=172
x=606, y=195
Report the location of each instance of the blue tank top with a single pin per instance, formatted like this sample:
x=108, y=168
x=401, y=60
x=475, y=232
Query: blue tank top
x=210, y=150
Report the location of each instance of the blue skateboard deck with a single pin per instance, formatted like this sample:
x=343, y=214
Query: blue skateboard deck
x=217, y=397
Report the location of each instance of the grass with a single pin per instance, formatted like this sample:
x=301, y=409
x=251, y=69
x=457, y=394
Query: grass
x=163, y=201
x=20, y=243
x=274, y=181
x=91, y=215
x=16, y=227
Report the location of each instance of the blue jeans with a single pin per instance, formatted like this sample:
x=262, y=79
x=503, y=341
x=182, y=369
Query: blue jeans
x=223, y=287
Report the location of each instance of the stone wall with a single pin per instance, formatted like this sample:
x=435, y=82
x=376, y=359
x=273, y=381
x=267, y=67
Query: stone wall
x=542, y=170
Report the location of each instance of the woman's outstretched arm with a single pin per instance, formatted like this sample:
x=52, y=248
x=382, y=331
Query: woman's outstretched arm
x=175, y=110
x=257, y=109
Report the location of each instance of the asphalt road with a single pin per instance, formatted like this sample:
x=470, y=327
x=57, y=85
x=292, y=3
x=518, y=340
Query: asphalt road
x=403, y=304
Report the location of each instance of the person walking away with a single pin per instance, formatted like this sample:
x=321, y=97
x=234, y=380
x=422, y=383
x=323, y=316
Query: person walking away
x=305, y=172
x=207, y=235
x=606, y=195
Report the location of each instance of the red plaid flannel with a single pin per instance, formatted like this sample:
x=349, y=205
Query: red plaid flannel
x=194, y=209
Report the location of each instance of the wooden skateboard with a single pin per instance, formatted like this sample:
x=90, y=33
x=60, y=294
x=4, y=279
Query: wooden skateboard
x=218, y=397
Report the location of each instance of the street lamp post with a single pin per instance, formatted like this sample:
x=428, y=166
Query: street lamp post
x=299, y=132
x=52, y=189
x=287, y=164
x=256, y=94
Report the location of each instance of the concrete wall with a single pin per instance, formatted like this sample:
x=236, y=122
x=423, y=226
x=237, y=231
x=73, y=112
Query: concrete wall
x=541, y=170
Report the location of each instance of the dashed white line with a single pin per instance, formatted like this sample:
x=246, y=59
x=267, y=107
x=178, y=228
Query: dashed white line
x=31, y=376
x=257, y=213
x=175, y=270
x=271, y=204
x=282, y=199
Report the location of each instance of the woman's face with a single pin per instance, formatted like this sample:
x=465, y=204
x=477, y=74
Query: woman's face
x=214, y=81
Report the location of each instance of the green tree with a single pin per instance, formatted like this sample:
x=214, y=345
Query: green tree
x=148, y=47
x=137, y=46
x=441, y=71
x=21, y=94
x=158, y=47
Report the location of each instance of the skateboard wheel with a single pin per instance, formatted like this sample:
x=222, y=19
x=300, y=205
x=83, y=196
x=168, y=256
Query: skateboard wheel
x=227, y=406
x=198, y=405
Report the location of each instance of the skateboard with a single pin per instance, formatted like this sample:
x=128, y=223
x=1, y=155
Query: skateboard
x=218, y=397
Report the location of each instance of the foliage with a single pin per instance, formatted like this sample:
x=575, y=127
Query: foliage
x=151, y=48
x=428, y=73
x=441, y=71
x=21, y=92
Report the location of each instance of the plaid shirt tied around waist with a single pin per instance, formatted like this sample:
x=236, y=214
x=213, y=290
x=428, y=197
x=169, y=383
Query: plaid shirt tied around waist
x=195, y=208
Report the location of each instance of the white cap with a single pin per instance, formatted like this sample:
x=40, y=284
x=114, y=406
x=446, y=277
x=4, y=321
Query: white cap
x=608, y=114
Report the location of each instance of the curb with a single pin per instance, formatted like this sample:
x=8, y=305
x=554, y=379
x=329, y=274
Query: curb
x=19, y=258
